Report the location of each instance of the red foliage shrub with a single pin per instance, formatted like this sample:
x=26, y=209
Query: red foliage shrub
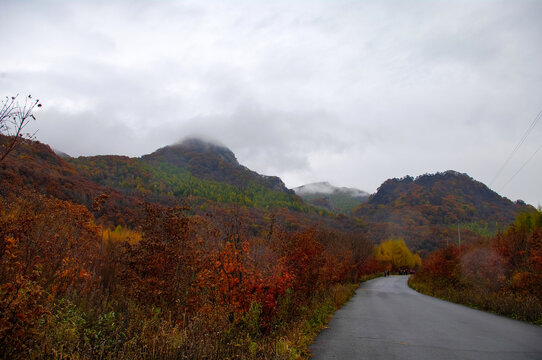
x=48, y=247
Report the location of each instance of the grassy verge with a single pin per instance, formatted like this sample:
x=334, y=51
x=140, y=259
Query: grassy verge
x=514, y=305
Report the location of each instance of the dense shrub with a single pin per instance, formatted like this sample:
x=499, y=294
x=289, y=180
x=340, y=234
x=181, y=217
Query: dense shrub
x=502, y=274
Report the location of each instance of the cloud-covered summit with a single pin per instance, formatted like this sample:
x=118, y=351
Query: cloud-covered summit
x=350, y=91
x=325, y=188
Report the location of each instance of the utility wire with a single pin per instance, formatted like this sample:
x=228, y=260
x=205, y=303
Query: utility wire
x=521, y=168
x=518, y=145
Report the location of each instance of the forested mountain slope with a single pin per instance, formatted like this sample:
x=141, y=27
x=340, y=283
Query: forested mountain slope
x=336, y=199
x=35, y=166
x=122, y=185
x=147, y=271
x=244, y=260
x=427, y=211
x=193, y=169
x=209, y=161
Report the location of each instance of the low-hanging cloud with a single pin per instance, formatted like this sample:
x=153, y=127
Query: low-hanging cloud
x=270, y=141
x=351, y=92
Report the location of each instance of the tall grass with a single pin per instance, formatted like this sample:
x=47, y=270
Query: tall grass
x=516, y=305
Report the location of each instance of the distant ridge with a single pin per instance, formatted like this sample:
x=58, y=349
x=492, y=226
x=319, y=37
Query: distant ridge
x=337, y=199
x=428, y=209
x=326, y=188
x=212, y=161
x=194, y=171
x=34, y=165
x=60, y=153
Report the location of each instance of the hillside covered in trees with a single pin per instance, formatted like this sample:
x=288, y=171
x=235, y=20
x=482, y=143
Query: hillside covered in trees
x=106, y=263
x=186, y=253
x=502, y=274
x=336, y=199
x=193, y=169
x=428, y=211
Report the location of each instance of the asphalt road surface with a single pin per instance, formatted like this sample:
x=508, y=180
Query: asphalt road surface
x=388, y=320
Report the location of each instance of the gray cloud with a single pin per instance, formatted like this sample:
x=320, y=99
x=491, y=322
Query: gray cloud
x=352, y=92
x=274, y=141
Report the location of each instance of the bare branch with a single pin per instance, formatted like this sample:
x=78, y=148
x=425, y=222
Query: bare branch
x=13, y=119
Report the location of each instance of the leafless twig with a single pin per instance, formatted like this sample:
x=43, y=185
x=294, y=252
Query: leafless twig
x=13, y=119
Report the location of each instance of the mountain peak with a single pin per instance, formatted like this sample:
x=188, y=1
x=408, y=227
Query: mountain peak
x=323, y=194
x=190, y=146
x=325, y=188
x=200, y=143
x=418, y=208
x=209, y=159
x=322, y=187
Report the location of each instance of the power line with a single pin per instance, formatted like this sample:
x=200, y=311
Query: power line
x=521, y=168
x=518, y=145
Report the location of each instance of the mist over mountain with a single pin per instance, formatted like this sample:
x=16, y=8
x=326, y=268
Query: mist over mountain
x=192, y=170
x=337, y=199
x=325, y=187
x=212, y=161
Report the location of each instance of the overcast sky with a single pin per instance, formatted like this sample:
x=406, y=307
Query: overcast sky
x=350, y=92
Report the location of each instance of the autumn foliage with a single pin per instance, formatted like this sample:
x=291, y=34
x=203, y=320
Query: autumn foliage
x=165, y=264
x=502, y=274
x=175, y=285
x=395, y=255
x=49, y=248
x=426, y=211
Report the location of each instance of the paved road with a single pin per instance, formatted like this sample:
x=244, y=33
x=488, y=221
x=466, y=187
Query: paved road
x=388, y=320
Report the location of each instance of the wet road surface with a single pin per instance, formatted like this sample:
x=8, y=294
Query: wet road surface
x=388, y=320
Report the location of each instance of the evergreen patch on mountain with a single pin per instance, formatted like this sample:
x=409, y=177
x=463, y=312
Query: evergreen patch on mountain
x=426, y=211
x=116, y=189
x=193, y=169
x=211, y=161
x=332, y=198
x=431, y=209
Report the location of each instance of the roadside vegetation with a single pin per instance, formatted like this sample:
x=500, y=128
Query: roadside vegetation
x=174, y=287
x=502, y=274
x=140, y=259
x=91, y=272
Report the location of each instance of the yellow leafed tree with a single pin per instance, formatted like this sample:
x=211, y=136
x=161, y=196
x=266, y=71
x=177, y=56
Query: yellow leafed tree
x=396, y=253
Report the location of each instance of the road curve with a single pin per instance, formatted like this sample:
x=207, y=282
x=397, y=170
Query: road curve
x=388, y=320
